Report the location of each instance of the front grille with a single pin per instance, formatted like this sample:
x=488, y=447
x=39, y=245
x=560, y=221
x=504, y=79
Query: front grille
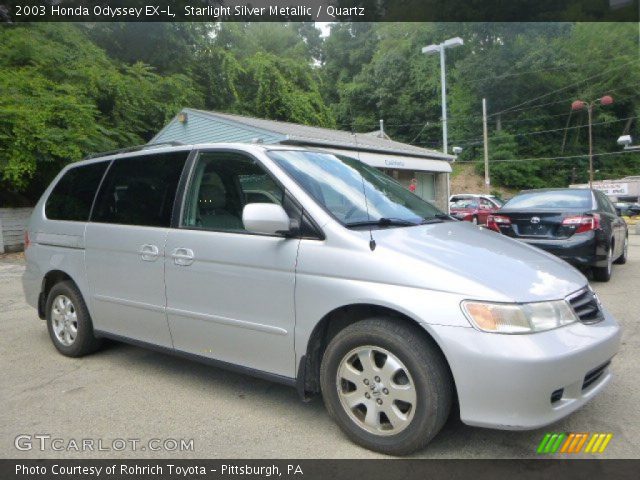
x=586, y=306
x=593, y=376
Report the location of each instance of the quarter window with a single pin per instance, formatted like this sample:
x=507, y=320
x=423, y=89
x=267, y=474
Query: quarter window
x=73, y=195
x=221, y=185
x=140, y=190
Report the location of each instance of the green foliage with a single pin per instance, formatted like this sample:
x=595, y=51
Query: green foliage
x=63, y=97
x=529, y=74
x=68, y=90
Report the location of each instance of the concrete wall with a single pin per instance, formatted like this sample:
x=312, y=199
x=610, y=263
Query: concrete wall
x=13, y=222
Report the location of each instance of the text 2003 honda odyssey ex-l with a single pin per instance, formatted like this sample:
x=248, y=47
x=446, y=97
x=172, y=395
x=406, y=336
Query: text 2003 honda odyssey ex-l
x=317, y=271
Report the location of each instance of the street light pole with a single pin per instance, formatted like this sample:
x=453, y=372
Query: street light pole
x=440, y=48
x=443, y=83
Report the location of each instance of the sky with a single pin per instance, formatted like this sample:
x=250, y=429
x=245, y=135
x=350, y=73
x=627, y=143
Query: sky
x=324, y=27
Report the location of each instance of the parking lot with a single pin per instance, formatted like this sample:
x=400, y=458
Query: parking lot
x=125, y=392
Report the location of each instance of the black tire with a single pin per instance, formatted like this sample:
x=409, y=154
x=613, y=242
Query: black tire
x=85, y=342
x=622, y=259
x=424, y=362
x=603, y=274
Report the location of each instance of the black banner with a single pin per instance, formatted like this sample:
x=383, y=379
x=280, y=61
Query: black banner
x=320, y=10
x=318, y=469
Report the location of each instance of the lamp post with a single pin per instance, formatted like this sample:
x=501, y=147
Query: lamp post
x=440, y=48
x=579, y=105
x=430, y=50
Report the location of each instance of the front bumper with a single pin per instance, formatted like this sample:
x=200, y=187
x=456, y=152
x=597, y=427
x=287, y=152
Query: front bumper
x=507, y=381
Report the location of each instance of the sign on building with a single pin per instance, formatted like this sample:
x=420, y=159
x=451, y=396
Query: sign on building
x=612, y=188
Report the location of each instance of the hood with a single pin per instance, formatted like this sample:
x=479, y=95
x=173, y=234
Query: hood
x=460, y=257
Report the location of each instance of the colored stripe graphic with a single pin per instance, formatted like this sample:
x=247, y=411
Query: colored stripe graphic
x=574, y=442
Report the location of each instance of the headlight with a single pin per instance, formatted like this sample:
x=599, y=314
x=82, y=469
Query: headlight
x=518, y=318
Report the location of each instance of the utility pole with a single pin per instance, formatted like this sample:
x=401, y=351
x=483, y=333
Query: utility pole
x=590, y=116
x=579, y=105
x=485, y=134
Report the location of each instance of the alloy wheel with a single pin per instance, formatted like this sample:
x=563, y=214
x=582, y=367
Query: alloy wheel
x=376, y=390
x=64, y=320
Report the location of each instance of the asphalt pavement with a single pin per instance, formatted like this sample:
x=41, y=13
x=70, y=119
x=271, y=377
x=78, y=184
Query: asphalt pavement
x=131, y=396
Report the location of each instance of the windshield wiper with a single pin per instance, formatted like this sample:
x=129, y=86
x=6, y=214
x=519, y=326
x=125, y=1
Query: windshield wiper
x=437, y=218
x=383, y=222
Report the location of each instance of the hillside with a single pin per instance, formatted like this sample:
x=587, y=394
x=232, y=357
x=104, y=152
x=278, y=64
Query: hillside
x=465, y=179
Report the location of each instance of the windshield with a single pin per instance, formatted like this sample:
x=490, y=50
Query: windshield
x=336, y=183
x=561, y=199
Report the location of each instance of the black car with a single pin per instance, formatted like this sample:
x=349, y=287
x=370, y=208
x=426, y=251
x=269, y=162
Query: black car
x=580, y=226
x=628, y=209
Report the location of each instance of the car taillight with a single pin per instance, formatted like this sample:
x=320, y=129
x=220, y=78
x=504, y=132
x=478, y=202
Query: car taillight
x=27, y=241
x=583, y=223
x=494, y=222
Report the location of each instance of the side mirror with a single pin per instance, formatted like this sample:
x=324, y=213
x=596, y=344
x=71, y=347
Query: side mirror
x=618, y=211
x=265, y=218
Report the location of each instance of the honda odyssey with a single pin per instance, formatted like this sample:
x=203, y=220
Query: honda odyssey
x=320, y=272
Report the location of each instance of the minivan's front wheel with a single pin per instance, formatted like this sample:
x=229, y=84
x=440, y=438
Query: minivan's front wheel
x=388, y=387
x=68, y=321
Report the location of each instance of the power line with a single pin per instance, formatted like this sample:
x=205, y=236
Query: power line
x=539, y=132
x=586, y=155
x=433, y=123
x=564, y=88
x=552, y=69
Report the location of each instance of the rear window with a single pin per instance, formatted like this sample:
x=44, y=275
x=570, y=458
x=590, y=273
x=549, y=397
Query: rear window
x=140, y=190
x=554, y=199
x=73, y=195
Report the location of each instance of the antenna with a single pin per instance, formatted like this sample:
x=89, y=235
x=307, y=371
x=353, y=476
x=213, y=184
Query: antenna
x=372, y=242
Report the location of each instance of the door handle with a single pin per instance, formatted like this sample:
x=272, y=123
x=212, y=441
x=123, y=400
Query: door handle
x=182, y=256
x=149, y=253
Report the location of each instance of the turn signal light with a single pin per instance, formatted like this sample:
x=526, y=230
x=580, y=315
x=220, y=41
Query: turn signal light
x=583, y=223
x=494, y=222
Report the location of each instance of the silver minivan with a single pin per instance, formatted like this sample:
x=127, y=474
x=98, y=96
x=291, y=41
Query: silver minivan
x=320, y=272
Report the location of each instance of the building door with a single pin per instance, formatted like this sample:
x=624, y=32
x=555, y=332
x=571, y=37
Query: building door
x=426, y=186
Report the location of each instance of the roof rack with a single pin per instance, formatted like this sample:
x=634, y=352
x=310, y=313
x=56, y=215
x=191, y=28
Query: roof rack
x=132, y=149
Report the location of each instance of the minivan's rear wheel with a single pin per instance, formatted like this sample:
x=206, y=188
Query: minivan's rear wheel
x=603, y=274
x=68, y=321
x=386, y=385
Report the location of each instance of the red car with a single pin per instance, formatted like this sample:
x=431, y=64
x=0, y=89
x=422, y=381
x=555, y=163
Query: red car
x=474, y=208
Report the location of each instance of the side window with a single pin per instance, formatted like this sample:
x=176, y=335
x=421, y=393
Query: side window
x=608, y=206
x=73, y=195
x=140, y=190
x=221, y=185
